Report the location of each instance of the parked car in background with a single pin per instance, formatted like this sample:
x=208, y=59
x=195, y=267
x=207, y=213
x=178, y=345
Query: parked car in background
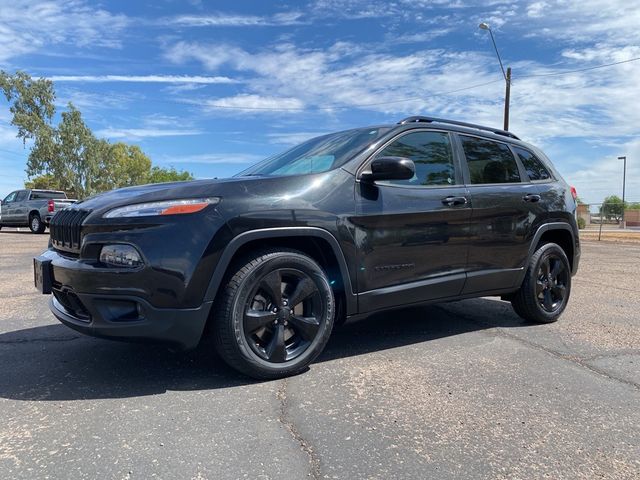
x=32, y=208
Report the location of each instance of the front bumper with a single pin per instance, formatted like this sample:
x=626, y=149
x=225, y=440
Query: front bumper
x=130, y=318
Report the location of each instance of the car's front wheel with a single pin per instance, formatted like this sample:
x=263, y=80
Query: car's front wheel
x=545, y=290
x=275, y=314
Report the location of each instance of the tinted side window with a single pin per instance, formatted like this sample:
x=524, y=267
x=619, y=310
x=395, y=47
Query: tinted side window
x=21, y=196
x=11, y=197
x=489, y=161
x=432, y=154
x=534, y=167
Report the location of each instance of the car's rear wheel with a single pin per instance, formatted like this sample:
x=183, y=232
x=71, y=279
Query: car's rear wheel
x=545, y=290
x=275, y=314
x=35, y=223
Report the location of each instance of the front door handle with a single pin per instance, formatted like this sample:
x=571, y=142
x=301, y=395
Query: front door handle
x=530, y=197
x=450, y=201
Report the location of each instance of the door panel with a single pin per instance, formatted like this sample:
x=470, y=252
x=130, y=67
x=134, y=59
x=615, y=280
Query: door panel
x=505, y=213
x=8, y=213
x=501, y=226
x=412, y=235
x=407, y=235
x=19, y=209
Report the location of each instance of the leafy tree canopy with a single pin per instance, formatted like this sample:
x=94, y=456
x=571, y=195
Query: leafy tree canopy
x=68, y=156
x=612, y=207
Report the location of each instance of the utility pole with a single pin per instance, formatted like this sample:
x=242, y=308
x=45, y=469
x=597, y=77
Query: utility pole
x=507, y=99
x=624, y=182
x=506, y=75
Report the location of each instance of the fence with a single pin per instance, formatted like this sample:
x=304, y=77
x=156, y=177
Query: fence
x=608, y=218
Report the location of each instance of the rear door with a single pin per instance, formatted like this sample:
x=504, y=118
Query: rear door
x=412, y=234
x=20, y=208
x=506, y=212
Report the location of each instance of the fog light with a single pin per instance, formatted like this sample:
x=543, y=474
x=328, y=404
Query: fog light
x=120, y=256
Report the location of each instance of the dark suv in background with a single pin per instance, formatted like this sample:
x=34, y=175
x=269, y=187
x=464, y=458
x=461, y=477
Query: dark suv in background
x=343, y=225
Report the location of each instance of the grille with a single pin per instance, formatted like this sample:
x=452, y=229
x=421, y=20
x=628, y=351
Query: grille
x=65, y=228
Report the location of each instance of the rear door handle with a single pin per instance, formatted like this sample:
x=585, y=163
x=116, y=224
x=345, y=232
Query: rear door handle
x=530, y=197
x=454, y=201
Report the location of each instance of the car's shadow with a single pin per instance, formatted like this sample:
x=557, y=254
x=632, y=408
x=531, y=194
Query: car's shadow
x=55, y=363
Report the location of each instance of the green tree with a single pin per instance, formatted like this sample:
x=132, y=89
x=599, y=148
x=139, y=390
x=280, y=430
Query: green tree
x=32, y=103
x=48, y=181
x=633, y=206
x=68, y=156
x=122, y=165
x=162, y=175
x=612, y=208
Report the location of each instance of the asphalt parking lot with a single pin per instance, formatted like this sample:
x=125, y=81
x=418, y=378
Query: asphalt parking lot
x=458, y=390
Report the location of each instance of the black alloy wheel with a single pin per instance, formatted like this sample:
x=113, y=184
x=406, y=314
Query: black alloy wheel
x=551, y=284
x=546, y=287
x=282, y=316
x=275, y=314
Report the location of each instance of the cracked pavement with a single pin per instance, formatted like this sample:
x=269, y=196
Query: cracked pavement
x=455, y=390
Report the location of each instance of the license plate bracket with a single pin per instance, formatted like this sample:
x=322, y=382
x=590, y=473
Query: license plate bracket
x=42, y=274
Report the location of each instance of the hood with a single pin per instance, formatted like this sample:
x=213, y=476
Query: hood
x=151, y=193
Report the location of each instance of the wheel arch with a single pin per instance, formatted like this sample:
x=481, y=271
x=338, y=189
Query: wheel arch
x=318, y=243
x=559, y=233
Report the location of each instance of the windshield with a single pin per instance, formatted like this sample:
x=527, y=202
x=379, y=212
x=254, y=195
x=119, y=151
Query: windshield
x=318, y=154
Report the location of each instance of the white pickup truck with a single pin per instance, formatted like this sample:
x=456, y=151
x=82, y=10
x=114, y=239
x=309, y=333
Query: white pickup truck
x=32, y=208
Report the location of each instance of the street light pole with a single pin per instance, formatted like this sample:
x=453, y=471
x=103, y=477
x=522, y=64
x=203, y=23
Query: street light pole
x=624, y=181
x=506, y=75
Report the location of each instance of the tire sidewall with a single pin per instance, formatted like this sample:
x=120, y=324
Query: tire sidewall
x=32, y=219
x=296, y=262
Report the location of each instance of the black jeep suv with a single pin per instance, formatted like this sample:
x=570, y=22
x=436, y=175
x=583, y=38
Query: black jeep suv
x=265, y=263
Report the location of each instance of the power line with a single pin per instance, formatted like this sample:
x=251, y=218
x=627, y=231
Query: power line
x=11, y=152
x=390, y=102
x=566, y=72
x=342, y=107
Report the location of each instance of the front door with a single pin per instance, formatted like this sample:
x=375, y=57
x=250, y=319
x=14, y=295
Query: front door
x=8, y=215
x=411, y=235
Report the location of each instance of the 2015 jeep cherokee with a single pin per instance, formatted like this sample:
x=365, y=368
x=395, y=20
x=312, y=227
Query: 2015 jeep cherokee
x=340, y=226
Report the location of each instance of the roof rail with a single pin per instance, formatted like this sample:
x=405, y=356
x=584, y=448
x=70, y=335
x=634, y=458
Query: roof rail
x=418, y=118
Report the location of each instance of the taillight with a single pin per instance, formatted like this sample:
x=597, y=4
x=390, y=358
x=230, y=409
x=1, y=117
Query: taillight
x=574, y=193
x=51, y=206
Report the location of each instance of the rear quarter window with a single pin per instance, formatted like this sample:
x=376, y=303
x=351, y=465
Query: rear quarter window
x=536, y=171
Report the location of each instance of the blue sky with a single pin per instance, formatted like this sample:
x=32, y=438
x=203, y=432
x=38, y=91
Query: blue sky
x=212, y=87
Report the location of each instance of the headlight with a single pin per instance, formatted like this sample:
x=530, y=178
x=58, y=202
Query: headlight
x=167, y=207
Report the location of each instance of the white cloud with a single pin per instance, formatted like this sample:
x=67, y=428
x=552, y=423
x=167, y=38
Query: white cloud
x=182, y=79
x=140, y=133
x=255, y=102
x=29, y=25
x=231, y=20
x=603, y=177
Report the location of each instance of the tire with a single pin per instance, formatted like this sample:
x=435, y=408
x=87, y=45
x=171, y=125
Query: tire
x=35, y=224
x=275, y=314
x=546, y=287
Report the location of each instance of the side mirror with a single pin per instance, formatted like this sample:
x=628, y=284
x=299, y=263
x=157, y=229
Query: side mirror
x=389, y=168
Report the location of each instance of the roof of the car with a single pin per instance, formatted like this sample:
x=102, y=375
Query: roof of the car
x=456, y=126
